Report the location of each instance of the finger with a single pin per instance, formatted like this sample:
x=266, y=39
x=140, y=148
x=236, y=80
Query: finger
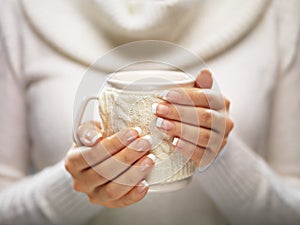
x=197, y=135
x=204, y=79
x=201, y=156
x=124, y=183
x=89, y=133
x=89, y=179
x=121, y=161
x=79, y=159
x=227, y=103
x=195, y=97
x=229, y=126
x=196, y=153
x=189, y=150
x=134, y=195
x=196, y=116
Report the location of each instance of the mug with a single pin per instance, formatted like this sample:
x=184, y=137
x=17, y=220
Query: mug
x=126, y=101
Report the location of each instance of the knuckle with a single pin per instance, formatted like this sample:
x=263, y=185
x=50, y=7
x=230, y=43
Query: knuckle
x=206, y=137
x=216, y=101
x=109, y=193
x=115, y=142
x=72, y=160
x=227, y=101
x=206, y=117
x=77, y=186
x=131, y=180
x=230, y=124
x=93, y=199
x=179, y=113
x=127, y=158
x=129, y=200
x=69, y=165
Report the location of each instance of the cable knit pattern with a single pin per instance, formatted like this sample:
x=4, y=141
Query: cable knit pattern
x=124, y=108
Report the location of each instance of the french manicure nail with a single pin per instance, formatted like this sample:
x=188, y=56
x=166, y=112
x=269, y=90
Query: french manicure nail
x=160, y=109
x=164, y=124
x=130, y=135
x=145, y=164
x=154, y=107
x=159, y=122
x=142, y=144
x=97, y=137
x=148, y=138
x=165, y=94
x=152, y=157
x=90, y=136
x=178, y=143
x=175, y=141
x=170, y=95
x=142, y=186
x=139, y=130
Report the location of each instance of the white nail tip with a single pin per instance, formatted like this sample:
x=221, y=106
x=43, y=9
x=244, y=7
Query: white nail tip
x=145, y=183
x=175, y=141
x=96, y=138
x=139, y=130
x=152, y=157
x=164, y=94
x=154, y=107
x=159, y=122
x=148, y=138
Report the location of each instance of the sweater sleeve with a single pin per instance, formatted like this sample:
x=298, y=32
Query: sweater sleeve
x=250, y=189
x=46, y=197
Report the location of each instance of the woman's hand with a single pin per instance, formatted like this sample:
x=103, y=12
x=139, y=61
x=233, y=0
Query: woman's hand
x=110, y=171
x=197, y=118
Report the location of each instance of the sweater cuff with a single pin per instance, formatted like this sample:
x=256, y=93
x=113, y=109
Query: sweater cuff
x=59, y=201
x=235, y=177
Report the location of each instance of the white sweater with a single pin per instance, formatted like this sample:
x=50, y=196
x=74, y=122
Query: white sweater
x=252, y=47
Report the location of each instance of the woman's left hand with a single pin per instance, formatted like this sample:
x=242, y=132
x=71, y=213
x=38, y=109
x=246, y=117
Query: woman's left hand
x=196, y=118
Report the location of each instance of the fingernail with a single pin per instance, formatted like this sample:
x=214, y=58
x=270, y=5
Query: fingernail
x=170, y=95
x=142, y=144
x=154, y=107
x=145, y=164
x=148, y=138
x=164, y=124
x=139, y=130
x=160, y=109
x=90, y=137
x=164, y=94
x=178, y=143
x=152, y=157
x=130, y=135
x=142, y=186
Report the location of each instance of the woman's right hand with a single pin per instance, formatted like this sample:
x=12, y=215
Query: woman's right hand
x=110, y=171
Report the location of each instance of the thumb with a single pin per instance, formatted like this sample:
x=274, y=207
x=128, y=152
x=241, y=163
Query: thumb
x=204, y=79
x=89, y=133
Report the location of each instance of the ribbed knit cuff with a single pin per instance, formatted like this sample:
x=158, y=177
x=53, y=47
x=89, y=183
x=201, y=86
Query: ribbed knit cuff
x=235, y=177
x=58, y=200
x=247, y=190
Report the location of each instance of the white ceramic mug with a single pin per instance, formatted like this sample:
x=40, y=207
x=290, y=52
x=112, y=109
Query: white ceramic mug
x=126, y=101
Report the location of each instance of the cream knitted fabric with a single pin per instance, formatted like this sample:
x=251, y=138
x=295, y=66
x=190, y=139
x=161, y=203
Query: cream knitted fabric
x=191, y=23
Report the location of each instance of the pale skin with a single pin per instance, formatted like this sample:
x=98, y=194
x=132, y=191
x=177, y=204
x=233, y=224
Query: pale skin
x=111, y=170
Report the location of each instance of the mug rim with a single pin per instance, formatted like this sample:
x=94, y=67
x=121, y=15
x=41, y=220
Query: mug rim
x=149, y=79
